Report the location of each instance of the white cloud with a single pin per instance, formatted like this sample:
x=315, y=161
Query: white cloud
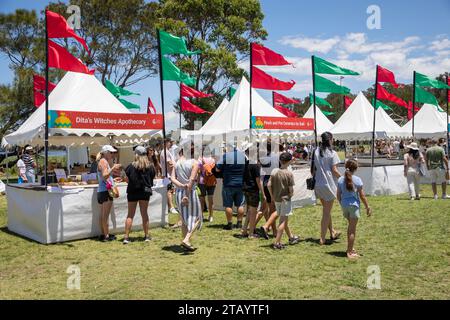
x=171, y=115
x=440, y=44
x=310, y=44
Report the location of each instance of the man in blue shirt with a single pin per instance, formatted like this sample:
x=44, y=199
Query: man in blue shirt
x=232, y=166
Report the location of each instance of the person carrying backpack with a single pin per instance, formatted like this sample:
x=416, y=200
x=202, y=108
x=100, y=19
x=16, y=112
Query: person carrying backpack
x=207, y=182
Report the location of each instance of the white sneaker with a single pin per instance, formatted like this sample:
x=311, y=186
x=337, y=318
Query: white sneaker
x=126, y=241
x=174, y=211
x=444, y=196
x=211, y=219
x=436, y=197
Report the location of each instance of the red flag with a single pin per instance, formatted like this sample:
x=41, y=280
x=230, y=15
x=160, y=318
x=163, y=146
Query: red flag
x=192, y=93
x=39, y=99
x=410, y=113
x=384, y=75
x=266, y=57
x=39, y=83
x=150, y=107
x=57, y=27
x=286, y=112
x=262, y=80
x=347, y=102
x=190, y=107
x=60, y=58
x=280, y=99
x=382, y=94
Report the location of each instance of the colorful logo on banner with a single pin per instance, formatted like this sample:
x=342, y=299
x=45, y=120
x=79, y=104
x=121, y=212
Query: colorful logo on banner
x=282, y=123
x=104, y=121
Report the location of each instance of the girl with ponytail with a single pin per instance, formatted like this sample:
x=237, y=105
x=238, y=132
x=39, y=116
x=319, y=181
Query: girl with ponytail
x=349, y=193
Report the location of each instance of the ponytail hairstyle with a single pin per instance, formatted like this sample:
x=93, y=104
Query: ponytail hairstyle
x=350, y=167
x=326, y=142
x=98, y=157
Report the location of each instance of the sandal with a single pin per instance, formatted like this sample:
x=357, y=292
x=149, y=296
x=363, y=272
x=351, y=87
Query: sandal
x=278, y=246
x=264, y=233
x=353, y=255
x=187, y=246
x=294, y=240
x=336, y=236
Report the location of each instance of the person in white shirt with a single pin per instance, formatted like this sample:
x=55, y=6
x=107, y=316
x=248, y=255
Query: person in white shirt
x=21, y=170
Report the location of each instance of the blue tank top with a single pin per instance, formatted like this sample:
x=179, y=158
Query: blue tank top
x=102, y=182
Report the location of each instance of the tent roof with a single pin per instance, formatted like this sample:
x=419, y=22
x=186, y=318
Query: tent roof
x=75, y=92
x=428, y=122
x=357, y=122
x=322, y=122
x=235, y=116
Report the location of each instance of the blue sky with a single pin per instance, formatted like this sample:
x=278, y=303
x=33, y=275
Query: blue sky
x=414, y=35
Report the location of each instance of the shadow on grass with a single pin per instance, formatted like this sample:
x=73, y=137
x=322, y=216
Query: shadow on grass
x=177, y=249
x=66, y=244
x=317, y=241
x=339, y=254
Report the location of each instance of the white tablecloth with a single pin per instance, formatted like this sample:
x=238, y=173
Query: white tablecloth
x=70, y=214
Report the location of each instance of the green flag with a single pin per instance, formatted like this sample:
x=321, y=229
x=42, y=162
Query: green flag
x=324, y=85
x=231, y=92
x=424, y=96
x=128, y=104
x=172, y=72
x=382, y=105
x=323, y=66
x=328, y=113
x=171, y=44
x=117, y=90
x=319, y=101
x=425, y=81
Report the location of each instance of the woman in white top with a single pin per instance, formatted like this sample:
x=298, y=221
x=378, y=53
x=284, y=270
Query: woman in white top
x=413, y=161
x=324, y=170
x=184, y=175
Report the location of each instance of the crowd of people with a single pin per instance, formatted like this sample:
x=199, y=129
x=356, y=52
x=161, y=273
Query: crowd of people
x=260, y=189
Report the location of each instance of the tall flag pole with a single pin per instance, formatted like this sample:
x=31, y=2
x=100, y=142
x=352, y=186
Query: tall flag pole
x=180, y=104
x=314, y=98
x=273, y=99
x=161, y=85
x=251, y=78
x=448, y=128
x=374, y=116
x=46, y=103
x=413, y=102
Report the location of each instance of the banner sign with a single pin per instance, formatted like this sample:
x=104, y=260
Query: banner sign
x=282, y=123
x=105, y=121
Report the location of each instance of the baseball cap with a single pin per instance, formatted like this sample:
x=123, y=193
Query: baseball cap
x=140, y=150
x=107, y=148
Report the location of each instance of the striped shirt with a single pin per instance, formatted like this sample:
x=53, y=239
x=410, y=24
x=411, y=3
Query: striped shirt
x=28, y=160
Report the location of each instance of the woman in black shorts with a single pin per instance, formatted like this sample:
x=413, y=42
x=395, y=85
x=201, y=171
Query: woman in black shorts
x=140, y=175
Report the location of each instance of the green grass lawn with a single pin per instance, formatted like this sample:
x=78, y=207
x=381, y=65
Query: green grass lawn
x=409, y=241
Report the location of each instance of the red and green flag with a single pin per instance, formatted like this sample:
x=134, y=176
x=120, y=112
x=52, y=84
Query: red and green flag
x=326, y=67
x=385, y=75
x=286, y=112
x=381, y=105
x=324, y=85
x=382, y=94
x=347, y=102
x=39, y=83
x=128, y=104
x=328, y=113
x=189, y=92
x=60, y=58
x=150, y=107
x=187, y=106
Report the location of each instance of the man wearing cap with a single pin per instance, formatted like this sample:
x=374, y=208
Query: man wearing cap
x=105, y=183
x=437, y=165
x=30, y=165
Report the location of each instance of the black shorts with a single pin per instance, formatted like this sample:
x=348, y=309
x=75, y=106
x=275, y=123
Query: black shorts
x=267, y=194
x=138, y=196
x=103, y=197
x=252, y=198
x=206, y=190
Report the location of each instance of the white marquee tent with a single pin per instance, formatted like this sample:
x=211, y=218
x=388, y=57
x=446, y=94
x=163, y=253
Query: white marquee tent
x=357, y=122
x=428, y=122
x=322, y=122
x=83, y=93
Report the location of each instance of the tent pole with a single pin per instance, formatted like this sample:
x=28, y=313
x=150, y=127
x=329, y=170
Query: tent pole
x=46, y=103
x=374, y=116
x=314, y=98
x=448, y=131
x=413, y=102
x=161, y=83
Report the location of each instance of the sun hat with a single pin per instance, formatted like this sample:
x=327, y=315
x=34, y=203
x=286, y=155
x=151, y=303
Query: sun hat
x=413, y=146
x=140, y=151
x=29, y=148
x=107, y=148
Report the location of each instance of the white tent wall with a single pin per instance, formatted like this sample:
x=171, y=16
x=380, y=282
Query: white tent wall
x=82, y=93
x=323, y=123
x=428, y=123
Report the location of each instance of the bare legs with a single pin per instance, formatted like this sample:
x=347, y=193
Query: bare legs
x=326, y=222
x=282, y=227
x=104, y=216
x=143, y=205
x=210, y=206
x=351, y=234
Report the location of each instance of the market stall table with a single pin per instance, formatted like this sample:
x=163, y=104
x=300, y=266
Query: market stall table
x=60, y=214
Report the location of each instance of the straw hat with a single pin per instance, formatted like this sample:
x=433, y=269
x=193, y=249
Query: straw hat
x=413, y=146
